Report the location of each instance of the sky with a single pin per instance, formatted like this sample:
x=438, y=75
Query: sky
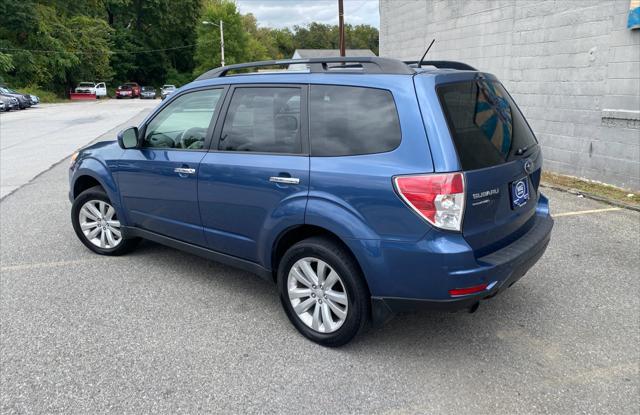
x=288, y=13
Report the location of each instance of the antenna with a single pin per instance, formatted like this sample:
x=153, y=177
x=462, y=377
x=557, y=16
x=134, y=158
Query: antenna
x=425, y=53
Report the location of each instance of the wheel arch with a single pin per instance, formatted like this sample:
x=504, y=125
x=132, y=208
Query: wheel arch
x=83, y=183
x=295, y=234
x=92, y=173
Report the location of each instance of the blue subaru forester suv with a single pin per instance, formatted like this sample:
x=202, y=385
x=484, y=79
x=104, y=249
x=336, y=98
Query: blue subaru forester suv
x=361, y=186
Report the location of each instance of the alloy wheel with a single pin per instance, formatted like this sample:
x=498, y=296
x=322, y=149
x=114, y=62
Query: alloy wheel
x=99, y=224
x=317, y=295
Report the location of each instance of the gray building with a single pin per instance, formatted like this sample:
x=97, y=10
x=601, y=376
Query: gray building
x=572, y=66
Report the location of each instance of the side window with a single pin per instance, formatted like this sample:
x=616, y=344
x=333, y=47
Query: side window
x=184, y=122
x=348, y=120
x=263, y=120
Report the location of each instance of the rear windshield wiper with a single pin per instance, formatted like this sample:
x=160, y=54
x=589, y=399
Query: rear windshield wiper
x=522, y=150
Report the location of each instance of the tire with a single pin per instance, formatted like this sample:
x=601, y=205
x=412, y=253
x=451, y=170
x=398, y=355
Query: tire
x=350, y=282
x=94, y=196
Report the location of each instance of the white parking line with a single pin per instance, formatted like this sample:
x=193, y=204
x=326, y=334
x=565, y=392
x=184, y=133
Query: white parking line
x=586, y=212
x=19, y=267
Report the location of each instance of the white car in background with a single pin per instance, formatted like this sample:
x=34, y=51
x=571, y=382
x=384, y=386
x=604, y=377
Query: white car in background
x=100, y=89
x=167, y=90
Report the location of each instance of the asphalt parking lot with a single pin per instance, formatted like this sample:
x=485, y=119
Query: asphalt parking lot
x=161, y=331
x=33, y=139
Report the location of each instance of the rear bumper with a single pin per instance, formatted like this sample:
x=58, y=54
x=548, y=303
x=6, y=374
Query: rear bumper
x=500, y=270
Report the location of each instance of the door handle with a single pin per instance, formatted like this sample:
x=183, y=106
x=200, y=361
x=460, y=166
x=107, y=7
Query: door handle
x=284, y=180
x=184, y=170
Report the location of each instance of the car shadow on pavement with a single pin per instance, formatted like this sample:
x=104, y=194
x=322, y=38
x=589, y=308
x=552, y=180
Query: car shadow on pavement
x=428, y=330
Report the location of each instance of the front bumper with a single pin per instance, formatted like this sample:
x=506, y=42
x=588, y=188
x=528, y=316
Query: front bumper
x=499, y=270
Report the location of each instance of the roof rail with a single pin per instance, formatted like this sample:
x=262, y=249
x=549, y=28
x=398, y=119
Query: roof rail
x=368, y=64
x=461, y=66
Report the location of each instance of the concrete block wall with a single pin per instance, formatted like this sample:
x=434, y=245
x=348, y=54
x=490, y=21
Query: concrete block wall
x=572, y=66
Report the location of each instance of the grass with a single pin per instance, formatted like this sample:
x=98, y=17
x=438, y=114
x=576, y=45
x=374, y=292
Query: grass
x=46, y=97
x=592, y=188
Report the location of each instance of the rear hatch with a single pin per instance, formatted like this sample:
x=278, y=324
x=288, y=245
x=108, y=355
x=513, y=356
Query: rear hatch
x=501, y=160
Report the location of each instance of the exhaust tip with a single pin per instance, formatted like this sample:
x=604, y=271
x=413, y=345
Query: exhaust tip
x=474, y=308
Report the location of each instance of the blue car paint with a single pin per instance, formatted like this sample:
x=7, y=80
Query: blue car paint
x=99, y=162
x=428, y=268
x=242, y=214
x=158, y=199
x=242, y=211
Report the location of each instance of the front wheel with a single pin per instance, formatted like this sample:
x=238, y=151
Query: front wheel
x=323, y=292
x=96, y=223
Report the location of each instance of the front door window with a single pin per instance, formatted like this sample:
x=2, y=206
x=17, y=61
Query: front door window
x=184, y=123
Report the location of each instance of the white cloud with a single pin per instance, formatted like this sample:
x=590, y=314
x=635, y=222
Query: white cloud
x=288, y=13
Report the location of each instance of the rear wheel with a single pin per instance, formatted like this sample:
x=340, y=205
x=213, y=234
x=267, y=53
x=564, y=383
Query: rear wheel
x=323, y=292
x=96, y=223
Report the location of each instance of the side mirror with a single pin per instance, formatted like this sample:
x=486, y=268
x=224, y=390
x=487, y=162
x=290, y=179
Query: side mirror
x=128, y=138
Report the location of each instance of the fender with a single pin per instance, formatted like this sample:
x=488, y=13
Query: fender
x=286, y=216
x=335, y=215
x=95, y=169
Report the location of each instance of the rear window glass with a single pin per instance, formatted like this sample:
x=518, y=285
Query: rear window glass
x=348, y=120
x=263, y=120
x=486, y=126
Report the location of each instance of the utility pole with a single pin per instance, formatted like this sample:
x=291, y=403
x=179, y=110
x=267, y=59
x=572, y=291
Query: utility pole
x=341, y=27
x=221, y=43
x=221, y=26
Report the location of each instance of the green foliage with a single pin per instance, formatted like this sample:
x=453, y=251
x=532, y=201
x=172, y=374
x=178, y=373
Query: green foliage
x=322, y=36
x=46, y=96
x=245, y=41
x=236, y=43
x=52, y=49
x=6, y=63
x=55, y=44
x=177, y=78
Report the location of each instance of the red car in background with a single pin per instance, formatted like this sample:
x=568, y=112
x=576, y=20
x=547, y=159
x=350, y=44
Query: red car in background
x=135, y=89
x=124, y=91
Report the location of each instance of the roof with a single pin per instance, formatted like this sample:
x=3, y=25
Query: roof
x=325, y=53
x=349, y=64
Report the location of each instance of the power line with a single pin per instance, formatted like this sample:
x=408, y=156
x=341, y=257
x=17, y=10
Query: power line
x=111, y=52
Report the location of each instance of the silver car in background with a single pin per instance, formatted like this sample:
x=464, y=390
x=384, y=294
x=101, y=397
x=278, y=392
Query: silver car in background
x=10, y=103
x=148, y=92
x=167, y=90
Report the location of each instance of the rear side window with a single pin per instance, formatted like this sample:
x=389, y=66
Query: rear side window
x=486, y=126
x=348, y=120
x=263, y=120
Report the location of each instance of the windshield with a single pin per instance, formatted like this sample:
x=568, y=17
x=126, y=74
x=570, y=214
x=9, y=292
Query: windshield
x=86, y=84
x=486, y=126
x=169, y=87
x=148, y=88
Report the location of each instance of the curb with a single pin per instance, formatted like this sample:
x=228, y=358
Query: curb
x=591, y=196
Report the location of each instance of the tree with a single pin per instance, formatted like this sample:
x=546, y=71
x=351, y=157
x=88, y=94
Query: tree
x=236, y=42
x=323, y=36
x=48, y=48
x=56, y=43
x=6, y=63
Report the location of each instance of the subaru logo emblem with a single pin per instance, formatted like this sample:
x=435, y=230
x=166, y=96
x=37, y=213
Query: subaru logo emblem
x=520, y=189
x=528, y=166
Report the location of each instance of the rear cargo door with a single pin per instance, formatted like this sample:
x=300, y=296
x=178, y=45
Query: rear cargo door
x=500, y=157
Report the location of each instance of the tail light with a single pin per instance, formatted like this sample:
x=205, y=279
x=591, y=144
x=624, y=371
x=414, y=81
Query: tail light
x=438, y=198
x=468, y=290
